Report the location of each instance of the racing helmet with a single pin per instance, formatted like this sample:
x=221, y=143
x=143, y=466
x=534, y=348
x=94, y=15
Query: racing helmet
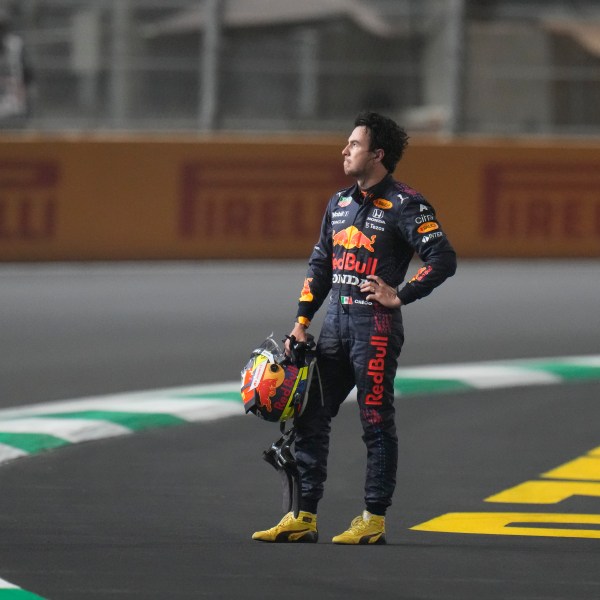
x=275, y=386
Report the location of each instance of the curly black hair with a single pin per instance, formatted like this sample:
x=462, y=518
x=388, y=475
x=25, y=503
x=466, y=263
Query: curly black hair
x=386, y=135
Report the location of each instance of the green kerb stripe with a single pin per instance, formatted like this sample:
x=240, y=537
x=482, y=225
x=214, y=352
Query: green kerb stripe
x=412, y=385
x=17, y=594
x=31, y=442
x=568, y=371
x=131, y=420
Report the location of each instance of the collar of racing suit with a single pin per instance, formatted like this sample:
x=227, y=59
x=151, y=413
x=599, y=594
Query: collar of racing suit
x=361, y=195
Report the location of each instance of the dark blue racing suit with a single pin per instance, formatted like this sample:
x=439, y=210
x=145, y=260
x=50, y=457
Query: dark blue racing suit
x=374, y=232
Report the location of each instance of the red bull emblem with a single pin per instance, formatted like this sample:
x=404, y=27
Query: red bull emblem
x=348, y=262
x=351, y=237
x=422, y=273
x=376, y=370
x=262, y=382
x=306, y=295
x=266, y=390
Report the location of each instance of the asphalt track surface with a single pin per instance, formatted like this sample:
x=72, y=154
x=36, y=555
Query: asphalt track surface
x=168, y=513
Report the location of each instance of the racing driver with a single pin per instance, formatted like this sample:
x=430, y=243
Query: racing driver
x=369, y=234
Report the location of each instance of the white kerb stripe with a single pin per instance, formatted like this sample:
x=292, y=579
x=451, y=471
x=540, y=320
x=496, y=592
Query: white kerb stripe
x=218, y=410
x=72, y=430
x=8, y=453
x=584, y=361
x=185, y=409
x=483, y=376
x=190, y=410
x=5, y=585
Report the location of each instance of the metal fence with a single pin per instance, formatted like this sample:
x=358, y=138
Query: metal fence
x=444, y=66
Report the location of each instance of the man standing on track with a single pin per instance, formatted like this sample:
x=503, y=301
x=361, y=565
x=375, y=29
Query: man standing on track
x=369, y=234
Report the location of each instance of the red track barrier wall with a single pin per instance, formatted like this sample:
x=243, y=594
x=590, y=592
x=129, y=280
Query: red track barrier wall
x=137, y=198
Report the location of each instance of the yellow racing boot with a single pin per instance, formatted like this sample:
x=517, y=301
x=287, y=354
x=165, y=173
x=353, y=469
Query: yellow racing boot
x=291, y=529
x=364, y=529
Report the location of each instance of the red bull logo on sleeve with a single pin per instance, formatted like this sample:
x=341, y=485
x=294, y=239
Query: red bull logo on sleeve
x=306, y=294
x=352, y=237
x=422, y=273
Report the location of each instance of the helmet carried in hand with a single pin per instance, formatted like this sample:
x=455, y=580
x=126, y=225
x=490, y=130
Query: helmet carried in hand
x=275, y=386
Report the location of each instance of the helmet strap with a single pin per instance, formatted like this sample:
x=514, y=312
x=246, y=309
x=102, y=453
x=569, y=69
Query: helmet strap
x=280, y=456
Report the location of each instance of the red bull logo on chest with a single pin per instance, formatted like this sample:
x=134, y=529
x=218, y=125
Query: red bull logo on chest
x=352, y=237
x=348, y=262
